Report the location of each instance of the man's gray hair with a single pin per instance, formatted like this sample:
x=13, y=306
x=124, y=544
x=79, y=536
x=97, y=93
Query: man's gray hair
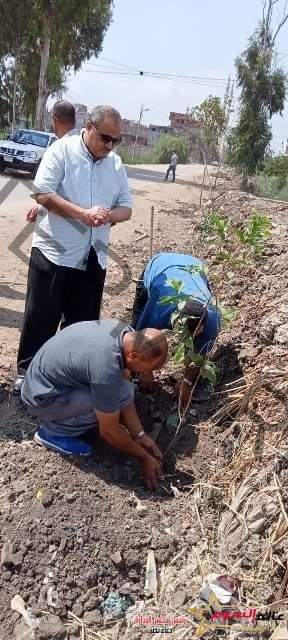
x=102, y=112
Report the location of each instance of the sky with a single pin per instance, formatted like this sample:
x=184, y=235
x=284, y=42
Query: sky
x=181, y=37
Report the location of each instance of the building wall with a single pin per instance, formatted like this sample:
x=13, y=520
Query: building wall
x=156, y=131
x=182, y=121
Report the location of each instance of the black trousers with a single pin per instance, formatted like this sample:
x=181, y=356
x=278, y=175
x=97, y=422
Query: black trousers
x=57, y=294
x=141, y=297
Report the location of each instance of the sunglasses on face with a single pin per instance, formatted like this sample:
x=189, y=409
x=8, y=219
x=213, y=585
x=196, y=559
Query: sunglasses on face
x=106, y=138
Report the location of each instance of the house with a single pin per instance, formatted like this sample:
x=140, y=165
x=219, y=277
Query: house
x=132, y=130
x=156, y=131
x=181, y=122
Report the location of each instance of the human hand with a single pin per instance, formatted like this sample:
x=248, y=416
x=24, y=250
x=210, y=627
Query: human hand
x=31, y=215
x=150, y=446
x=151, y=470
x=96, y=216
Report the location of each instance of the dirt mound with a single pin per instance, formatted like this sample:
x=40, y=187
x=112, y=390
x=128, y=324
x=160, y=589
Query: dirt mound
x=73, y=537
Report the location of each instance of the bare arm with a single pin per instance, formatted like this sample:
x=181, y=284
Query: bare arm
x=120, y=214
x=114, y=434
x=57, y=204
x=132, y=422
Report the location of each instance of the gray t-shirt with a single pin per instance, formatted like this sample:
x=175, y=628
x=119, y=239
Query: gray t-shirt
x=82, y=355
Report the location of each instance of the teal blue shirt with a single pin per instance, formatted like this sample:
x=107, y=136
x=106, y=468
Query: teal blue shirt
x=167, y=266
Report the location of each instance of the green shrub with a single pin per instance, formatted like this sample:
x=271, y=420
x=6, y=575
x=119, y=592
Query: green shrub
x=277, y=166
x=274, y=187
x=166, y=146
x=139, y=158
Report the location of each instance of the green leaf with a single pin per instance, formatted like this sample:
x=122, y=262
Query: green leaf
x=167, y=300
x=229, y=314
x=208, y=372
x=175, y=284
x=198, y=360
x=179, y=354
x=194, y=269
x=172, y=423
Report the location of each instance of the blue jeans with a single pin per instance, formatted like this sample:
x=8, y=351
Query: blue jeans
x=72, y=414
x=173, y=169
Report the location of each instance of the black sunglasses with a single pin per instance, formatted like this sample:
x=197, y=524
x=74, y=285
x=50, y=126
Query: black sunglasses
x=106, y=138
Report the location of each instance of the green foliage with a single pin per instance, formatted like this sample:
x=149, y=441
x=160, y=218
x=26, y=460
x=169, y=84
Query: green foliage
x=277, y=169
x=229, y=241
x=256, y=232
x=229, y=314
x=271, y=187
x=74, y=28
x=263, y=89
x=277, y=166
x=139, y=158
x=211, y=117
x=214, y=225
x=165, y=147
x=185, y=353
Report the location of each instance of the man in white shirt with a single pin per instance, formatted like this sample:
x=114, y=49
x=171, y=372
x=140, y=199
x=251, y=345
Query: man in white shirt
x=82, y=187
x=172, y=166
x=63, y=119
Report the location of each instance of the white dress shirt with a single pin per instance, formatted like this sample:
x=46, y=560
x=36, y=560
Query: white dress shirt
x=69, y=170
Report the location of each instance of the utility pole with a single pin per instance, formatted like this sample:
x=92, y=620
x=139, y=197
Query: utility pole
x=142, y=109
x=14, y=100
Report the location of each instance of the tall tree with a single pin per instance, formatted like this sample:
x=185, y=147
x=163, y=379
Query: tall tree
x=263, y=89
x=211, y=117
x=66, y=31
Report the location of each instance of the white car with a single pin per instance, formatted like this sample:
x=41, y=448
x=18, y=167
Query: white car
x=24, y=150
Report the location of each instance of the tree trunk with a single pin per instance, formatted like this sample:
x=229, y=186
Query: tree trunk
x=42, y=85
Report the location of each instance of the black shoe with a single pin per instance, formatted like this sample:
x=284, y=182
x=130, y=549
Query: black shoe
x=17, y=384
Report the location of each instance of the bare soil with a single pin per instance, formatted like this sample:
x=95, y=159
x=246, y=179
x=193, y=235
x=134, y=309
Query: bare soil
x=66, y=519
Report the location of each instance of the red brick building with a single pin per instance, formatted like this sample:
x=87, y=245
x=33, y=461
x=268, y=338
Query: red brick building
x=182, y=121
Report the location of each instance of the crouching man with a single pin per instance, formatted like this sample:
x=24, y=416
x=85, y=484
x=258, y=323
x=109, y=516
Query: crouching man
x=81, y=376
x=154, y=306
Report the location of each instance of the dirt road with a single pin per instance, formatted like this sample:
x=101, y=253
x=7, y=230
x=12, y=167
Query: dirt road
x=73, y=535
x=148, y=188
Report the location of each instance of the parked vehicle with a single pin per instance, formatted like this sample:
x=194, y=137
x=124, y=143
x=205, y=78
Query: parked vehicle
x=24, y=150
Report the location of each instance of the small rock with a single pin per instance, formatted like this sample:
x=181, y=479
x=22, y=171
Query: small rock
x=133, y=575
x=47, y=497
x=117, y=558
x=71, y=497
x=6, y=575
x=92, y=618
x=62, y=544
x=91, y=578
x=77, y=609
x=28, y=544
x=6, y=553
x=164, y=542
x=179, y=598
x=22, y=632
x=17, y=559
x=281, y=335
x=92, y=603
x=131, y=559
x=125, y=589
x=51, y=629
